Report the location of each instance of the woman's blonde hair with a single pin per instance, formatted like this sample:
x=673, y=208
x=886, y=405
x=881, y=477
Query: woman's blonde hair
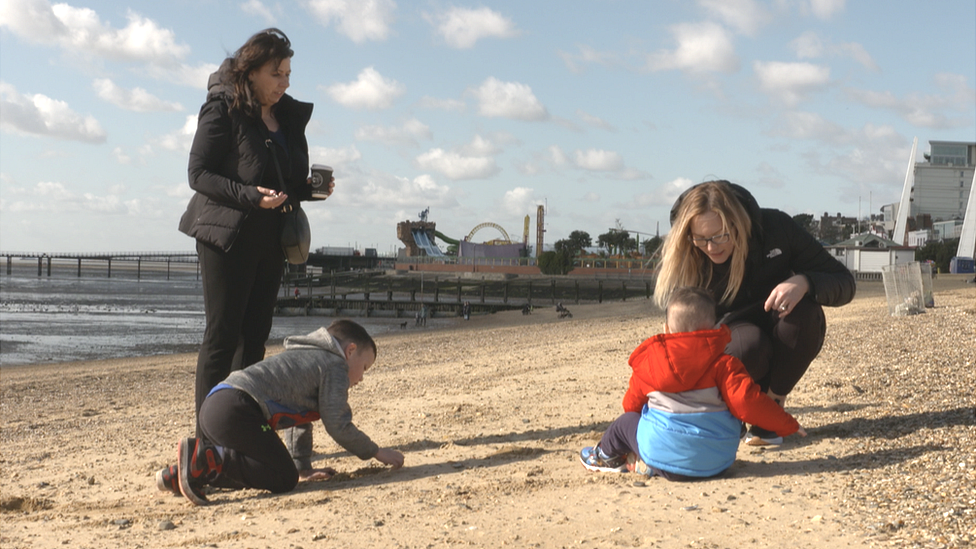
x=683, y=263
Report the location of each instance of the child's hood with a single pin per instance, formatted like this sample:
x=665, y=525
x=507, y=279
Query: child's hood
x=319, y=339
x=677, y=362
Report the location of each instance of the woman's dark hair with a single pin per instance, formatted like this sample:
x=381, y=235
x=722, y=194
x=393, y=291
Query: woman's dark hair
x=269, y=45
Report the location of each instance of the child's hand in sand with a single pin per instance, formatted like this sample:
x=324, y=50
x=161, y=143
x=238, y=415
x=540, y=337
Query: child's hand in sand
x=390, y=457
x=316, y=474
x=801, y=431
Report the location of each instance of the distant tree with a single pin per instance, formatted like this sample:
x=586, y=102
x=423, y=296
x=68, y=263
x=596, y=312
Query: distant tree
x=555, y=263
x=941, y=252
x=617, y=240
x=580, y=239
x=807, y=222
x=652, y=244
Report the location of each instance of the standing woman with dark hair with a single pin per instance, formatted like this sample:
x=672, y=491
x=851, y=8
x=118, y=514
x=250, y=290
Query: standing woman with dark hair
x=770, y=278
x=246, y=126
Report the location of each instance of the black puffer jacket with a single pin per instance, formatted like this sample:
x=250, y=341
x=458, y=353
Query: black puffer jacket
x=230, y=156
x=778, y=249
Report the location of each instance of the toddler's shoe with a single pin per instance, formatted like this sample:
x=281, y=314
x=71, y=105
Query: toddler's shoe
x=199, y=464
x=757, y=436
x=593, y=458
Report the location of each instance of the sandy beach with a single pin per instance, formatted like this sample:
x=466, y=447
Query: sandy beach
x=491, y=414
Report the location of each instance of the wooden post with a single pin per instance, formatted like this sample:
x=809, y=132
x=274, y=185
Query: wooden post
x=110, y=267
x=505, y=293
x=647, y=289
x=530, y=293
x=10, y=264
x=459, y=289
x=599, y=291
x=623, y=286
x=48, y=266
x=553, y=291
x=40, y=266
x=577, y=292
x=167, y=268
x=482, y=291
x=138, y=268
x=79, y=267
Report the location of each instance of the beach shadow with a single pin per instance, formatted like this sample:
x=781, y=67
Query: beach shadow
x=830, y=464
x=891, y=427
x=596, y=429
x=375, y=475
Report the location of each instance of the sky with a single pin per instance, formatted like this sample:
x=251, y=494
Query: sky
x=602, y=111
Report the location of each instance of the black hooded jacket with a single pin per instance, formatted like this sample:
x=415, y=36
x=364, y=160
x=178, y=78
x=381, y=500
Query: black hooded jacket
x=230, y=157
x=778, y=249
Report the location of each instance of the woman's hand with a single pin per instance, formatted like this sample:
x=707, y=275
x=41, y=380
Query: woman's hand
x=271, y=199
x=787, y=294
x=330, y=189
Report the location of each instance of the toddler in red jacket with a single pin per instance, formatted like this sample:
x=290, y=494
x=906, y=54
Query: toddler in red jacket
x=686, y=401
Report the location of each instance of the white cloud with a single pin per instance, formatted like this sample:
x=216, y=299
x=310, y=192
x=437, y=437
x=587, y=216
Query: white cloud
x=927, y=110
x=341, y=160
x=428, y=102
x=407, y=134
x=702, y=47
x=598, y=160
x=461, y=28
x=80, y=33
x=665, y=195
x=369, y=91
x=595, y=121
x=520, y=199
x=810, y=45
x=790, y=83
x=121, y=156
x=384, y=191
x=825, y=9
x=257, y=9
x=509, y=100
x=42, y=116
x=57, y=198
x=181, y=139
x=457, y=166
x=360, y=20
x=480, y=146
x=745, y=16
x=557, y=157
x=586, y=56
x=808, y=125
x=136, y=99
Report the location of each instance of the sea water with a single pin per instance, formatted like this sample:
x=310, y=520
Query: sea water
x=63, y=318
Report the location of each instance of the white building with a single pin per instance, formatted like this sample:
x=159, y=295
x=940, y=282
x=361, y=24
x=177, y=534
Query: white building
x=867, y=253
x=942, y=183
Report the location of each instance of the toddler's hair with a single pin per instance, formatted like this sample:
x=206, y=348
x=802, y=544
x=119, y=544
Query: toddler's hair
x=347, y=331
x=690, y=309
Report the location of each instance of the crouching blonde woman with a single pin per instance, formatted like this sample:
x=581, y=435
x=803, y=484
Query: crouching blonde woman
x=769, y=276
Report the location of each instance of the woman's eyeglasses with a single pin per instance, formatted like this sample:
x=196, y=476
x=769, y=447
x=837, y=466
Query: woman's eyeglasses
x=718, y=240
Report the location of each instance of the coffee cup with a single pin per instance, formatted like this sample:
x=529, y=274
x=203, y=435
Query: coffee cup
x=321, y=178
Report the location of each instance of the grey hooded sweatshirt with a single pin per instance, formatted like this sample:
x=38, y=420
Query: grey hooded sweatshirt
x=308, y=381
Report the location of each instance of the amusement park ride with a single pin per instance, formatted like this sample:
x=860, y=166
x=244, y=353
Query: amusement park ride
x=419, y=239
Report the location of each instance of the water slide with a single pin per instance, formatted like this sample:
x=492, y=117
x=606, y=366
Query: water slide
x=445, y=238
x=420, y=237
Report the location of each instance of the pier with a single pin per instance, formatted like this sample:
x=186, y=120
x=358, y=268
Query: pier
x=102, y=262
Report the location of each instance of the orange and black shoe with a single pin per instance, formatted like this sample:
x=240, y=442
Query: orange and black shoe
x=168, y=480
x=199, y=464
